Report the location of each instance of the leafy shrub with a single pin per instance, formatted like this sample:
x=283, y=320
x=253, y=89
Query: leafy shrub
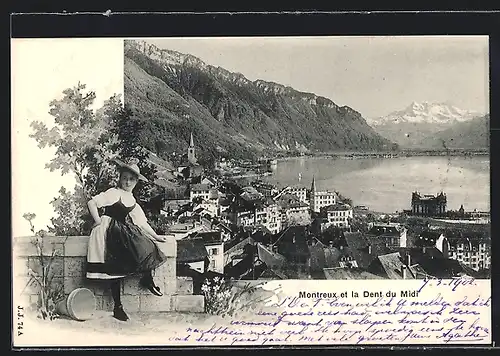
x=224, y=299
x=48, y=293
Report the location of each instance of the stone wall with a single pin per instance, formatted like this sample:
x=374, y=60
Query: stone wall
x=69, y=272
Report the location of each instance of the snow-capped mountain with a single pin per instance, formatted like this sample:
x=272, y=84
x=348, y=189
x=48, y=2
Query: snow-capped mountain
x=420, y=123
x=425, y=112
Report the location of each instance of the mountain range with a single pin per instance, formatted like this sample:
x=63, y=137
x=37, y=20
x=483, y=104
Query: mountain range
x=177, y=94
x=434, y=126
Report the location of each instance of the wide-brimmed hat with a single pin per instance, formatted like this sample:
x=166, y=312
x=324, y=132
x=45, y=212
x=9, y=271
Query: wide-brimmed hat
x=131, y=165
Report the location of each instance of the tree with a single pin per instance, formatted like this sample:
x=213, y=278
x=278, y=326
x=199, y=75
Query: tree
x=86, y=141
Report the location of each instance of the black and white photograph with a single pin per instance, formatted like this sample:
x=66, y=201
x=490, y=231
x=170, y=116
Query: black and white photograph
x=249, y=191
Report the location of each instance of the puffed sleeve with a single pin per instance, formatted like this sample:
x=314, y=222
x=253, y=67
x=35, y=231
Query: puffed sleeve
x=138, y=216
x=109, y=197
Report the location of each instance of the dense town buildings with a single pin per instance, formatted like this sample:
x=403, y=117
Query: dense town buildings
x=254, y=230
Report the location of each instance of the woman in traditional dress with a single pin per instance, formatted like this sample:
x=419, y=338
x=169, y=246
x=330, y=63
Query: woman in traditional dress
x=122, y=241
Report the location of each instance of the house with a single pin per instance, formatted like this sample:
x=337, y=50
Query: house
x=246, y=266
x=319, y=199
x=192, y=253
x=215, y=249
x=183, y=230
x=227, y=232
x=473, y=249
x=338, y=215
x=211, y=206
x=428, y=204
x=328, y=256
x=293, y=210
x=429, y=262
x=267, y=214
x=252, y=209
x=430, y=238
x=276, y=262
x=393, y=235
x=392, y=266
x=201, y=191
x=176, y=207
x=292, y=244
x=364, y=249
x=297, y=190
x=266, y=189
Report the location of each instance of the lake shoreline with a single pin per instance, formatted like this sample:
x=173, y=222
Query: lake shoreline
x=388, y=155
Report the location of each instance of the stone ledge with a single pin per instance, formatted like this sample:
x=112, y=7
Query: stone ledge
x=69, y=272
x=152, y=303
x=74, y=246
x=188, y=303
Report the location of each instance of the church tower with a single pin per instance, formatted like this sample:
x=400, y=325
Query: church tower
x=312, y=195
x=191, y=152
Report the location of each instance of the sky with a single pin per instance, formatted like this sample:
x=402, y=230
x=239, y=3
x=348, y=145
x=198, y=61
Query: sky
x=41, y=70
x=373, y=75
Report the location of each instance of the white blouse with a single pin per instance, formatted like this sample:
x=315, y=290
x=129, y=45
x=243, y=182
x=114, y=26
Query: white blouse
x=112, y=195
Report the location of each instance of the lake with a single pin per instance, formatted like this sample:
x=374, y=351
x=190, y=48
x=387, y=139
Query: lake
x=386, y=184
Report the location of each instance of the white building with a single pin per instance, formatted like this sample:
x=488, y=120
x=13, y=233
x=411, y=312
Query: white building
x=268, y=215
x=473, y=252
x=393, y=234
x=215, y=249
x=320, y=199
x=261, y=212
x=338, y=215
x=297, y=190
x=292, y=208
x=202, y=191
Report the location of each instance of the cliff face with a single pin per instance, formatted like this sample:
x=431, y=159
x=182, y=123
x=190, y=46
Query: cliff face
x=231, y=115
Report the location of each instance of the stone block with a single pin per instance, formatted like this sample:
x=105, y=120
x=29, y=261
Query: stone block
x=131, y=303
x=76, y=246
x=131, y=286
x=72, y=283
x=23, y=246
x=184, y=286
x=168, y=269
x=169, y=247
x=188, y=303
x=104, y=302
x=169, y=286
x=74, y=266
x=56, y=267
x=153, y=303
x=98, y=286
x=20, y=266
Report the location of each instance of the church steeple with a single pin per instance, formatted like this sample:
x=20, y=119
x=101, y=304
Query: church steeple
x=313, y=185
x=191, y=152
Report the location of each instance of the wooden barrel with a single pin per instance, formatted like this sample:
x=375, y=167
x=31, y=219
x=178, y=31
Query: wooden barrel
x=80, y=304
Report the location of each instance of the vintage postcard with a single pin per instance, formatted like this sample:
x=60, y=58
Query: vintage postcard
x=251, y=191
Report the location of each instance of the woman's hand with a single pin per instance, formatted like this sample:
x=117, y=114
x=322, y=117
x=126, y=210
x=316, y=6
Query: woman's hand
x=160, y=238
